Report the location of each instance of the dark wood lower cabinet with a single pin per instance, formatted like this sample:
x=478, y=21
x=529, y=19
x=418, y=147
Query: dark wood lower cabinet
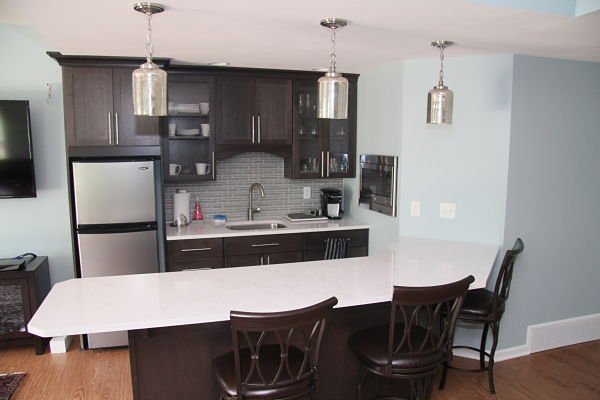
x=175, y=362
x=245, y=251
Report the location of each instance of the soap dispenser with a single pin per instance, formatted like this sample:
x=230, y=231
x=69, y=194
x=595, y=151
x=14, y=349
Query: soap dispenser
x=197, y=211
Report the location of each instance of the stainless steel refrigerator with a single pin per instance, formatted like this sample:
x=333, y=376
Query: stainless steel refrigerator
x=116, y=204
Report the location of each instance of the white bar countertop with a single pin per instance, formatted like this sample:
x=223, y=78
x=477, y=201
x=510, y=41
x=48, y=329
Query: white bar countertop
x=127, y=302
x=207, y=229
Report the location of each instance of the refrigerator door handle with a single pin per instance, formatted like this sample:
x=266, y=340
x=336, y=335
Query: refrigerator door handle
x=116, y=228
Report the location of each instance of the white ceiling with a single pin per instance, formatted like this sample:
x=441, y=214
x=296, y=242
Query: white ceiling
x=287, y=34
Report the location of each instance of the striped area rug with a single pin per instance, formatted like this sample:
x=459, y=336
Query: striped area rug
x=9, y=384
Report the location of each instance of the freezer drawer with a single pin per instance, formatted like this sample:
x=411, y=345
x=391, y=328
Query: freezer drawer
x=114, y=192
x=106, y=254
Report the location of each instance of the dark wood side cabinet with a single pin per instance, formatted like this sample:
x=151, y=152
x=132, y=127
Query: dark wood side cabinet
x=262, y=250
x=21, y=293
x=253, y=114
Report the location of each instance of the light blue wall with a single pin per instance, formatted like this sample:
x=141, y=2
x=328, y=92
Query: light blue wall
x=379, y=132
x=39, y=225
x=553, y=193
x=464, y=163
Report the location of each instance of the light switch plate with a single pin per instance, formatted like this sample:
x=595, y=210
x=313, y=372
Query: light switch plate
x=448, y=210
x=306, y=195
x=415, y=208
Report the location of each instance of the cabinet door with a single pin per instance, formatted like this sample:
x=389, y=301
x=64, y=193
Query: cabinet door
x=15, y=311
x=273, y=110
x=194, y=264
x=235, y=110
x=88, y=99
x=130, y=130
x=282, y=258
x=244, y=260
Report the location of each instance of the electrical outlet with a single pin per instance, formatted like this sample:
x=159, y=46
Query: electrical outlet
x=448, y=210
x=306, y=194
x=415, y=208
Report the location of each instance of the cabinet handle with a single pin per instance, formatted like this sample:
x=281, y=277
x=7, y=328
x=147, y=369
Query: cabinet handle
x=196, y=269
x=322, y=164
x=109, y=129
x=117, y=127
x=213, y=165
x=328, y=164
x=265, y=244
x=252, y=129
x=199, y=249
x=258, y=124
x=261, y=260
x=268, y=260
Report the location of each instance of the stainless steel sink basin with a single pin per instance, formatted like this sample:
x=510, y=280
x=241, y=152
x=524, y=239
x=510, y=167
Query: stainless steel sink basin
x=255, y=226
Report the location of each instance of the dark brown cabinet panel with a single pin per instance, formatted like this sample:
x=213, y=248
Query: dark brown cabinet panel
x=99, y=109
x=21, y=293
x=88, y=101
x=314, y=243
x=246, y=260
x=282, y=258
x=235, y=111
x=254, y=114
x=195, y=263
x=262, y=244
x=194, y=248
x=273, y=111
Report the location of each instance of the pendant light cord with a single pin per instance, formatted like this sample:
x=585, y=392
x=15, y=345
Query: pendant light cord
x=332, y=57
x=149, y=47
x=441, y=82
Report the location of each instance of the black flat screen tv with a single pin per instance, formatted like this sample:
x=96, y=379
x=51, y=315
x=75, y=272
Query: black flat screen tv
x=17, y=175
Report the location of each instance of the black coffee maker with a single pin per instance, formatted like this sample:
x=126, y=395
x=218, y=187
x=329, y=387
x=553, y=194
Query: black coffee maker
x=331, y=203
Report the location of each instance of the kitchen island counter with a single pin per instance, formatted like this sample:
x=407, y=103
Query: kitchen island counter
x=106, y=304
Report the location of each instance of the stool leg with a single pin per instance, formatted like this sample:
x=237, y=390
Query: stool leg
x=495, y=330
x=362, y=374
x=482, y=346
x=444, y=375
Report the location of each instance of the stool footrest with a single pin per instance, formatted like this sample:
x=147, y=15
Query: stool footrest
x=470, y=369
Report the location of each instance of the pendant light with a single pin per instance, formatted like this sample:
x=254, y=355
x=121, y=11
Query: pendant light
x=440, y=99
x=149, y=81
x=333, y=87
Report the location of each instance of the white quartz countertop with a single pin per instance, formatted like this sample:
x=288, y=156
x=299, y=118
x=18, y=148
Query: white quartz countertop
x=207, y=229
x=127, y=302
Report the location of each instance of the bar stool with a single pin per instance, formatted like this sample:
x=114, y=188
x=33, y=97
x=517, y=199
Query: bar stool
x=275, y=355
x=486, y=307
x=409, y=348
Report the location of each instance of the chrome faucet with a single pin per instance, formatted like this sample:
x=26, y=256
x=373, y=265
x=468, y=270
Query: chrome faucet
x=252, y=210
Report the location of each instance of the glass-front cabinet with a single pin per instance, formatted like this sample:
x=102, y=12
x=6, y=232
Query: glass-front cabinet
x=323, y=148
x=189, y=145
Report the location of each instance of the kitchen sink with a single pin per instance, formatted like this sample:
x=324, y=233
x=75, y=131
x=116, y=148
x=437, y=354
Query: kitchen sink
x=253, y=226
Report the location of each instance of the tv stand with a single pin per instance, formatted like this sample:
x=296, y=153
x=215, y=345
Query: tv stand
x=21, y=293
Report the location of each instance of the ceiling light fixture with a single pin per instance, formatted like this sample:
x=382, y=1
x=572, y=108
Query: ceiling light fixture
x=333, y=87
x=149, y=81
x=440, y=99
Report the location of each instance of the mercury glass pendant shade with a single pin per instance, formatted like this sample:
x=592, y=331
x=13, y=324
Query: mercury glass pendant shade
x=333, y=96
x=440, y=104
x=149, y=90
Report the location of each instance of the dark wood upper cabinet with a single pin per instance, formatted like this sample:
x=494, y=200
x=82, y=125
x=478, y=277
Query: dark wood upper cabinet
x=253, y=114
x=323, y=148
x=99, y=109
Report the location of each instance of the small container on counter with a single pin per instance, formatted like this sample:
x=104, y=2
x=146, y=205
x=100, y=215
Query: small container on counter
x=219, y=219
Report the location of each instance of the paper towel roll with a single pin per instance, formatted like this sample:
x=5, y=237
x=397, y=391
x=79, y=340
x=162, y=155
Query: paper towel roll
x=181, y=205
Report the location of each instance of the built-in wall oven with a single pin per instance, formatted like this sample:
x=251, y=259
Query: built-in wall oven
x=378, y=183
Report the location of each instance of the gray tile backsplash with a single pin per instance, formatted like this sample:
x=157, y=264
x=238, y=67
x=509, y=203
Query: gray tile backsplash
x=229, y=193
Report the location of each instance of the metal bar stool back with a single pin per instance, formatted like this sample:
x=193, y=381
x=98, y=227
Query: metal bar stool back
x=275, y=355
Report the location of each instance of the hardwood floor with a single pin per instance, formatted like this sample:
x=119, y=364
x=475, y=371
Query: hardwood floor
x=571, y=372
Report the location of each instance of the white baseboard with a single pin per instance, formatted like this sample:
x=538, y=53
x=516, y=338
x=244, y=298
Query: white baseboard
x=546, y=336
x=60, y=344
